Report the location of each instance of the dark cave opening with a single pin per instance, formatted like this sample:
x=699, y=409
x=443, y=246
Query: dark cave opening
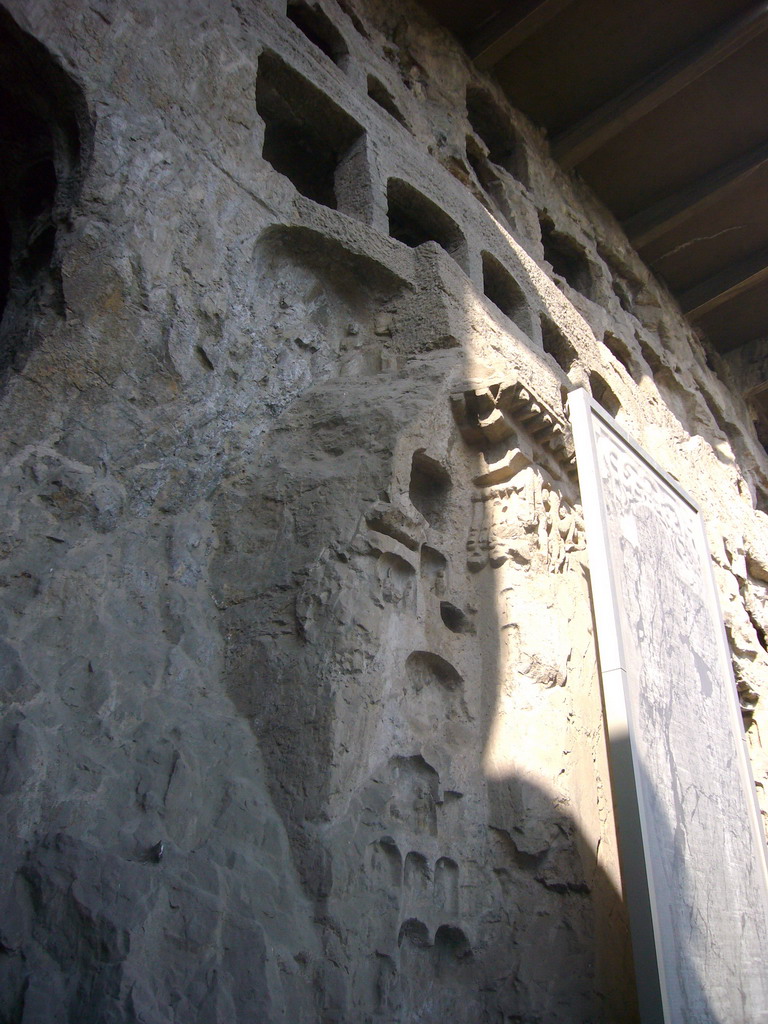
x=491, y=124
x=380, y=95
x=567, y=258
x=306, y=136
x=603, y=393
x=429, y=487
x=504, y=292
x=42, y=115
x=557, y=345
x=319, y=30
x=414, y=219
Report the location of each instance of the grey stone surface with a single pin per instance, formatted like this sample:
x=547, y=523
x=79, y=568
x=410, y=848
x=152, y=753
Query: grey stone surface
x=301, y=717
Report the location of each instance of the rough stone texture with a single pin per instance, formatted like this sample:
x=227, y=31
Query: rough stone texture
x=302, y=715
x=748, y=367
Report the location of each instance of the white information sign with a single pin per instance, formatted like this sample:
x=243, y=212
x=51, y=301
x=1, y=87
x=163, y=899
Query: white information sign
x=692, y=848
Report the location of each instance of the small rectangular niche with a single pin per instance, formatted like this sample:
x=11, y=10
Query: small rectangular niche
x=310, y=140
x=429, y=487
x=414, y=220
x=380, y=95
x=621, y=353
x=319, y=30
x=493, y=195
x=352, y=15
x=625, y=284
x=567, y=258
x=603, y=393
x=652, y=359
x=557, y=345
x=505, y=293
x=492, y=124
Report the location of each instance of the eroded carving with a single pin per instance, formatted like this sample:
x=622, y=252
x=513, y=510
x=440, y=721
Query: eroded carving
x=455, y=619
x=415, y=794
x=498, y=412
x=417, y=884
x=451, y=942
x=424, y=669
x=416, y=932
x=434, y=569
x=396, y=522
x=396, y=577
x=433, y=699
x=384, y=863
x=526, y=521
x=447, y=885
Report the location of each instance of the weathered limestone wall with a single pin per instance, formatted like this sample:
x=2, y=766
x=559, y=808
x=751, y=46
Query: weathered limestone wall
x=302, y=714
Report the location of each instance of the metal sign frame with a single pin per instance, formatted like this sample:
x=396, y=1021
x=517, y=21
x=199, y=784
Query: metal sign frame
x=657, y=962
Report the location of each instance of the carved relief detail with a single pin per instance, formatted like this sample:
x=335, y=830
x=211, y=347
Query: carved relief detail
x=525, y=522
x=520, y=516
x=494, y=413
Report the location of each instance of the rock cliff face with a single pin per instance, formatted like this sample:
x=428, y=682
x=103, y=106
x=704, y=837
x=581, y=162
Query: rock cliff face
x=302, y=719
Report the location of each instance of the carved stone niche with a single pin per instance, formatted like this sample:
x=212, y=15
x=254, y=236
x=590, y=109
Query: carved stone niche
x=525, y=523
x=524, y=513
x=490, y=415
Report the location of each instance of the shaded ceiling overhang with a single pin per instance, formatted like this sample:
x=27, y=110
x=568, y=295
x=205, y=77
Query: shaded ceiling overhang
x=661, y=109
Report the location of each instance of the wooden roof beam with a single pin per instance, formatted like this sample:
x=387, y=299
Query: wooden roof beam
x=578, y=142
x=726, y=284
x=647, y=225
x=500, y=35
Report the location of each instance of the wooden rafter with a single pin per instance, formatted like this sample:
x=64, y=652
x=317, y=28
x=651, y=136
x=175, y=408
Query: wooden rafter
x=725, y=284
x=576, y=143
x=649, y=224
x=503, y=33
